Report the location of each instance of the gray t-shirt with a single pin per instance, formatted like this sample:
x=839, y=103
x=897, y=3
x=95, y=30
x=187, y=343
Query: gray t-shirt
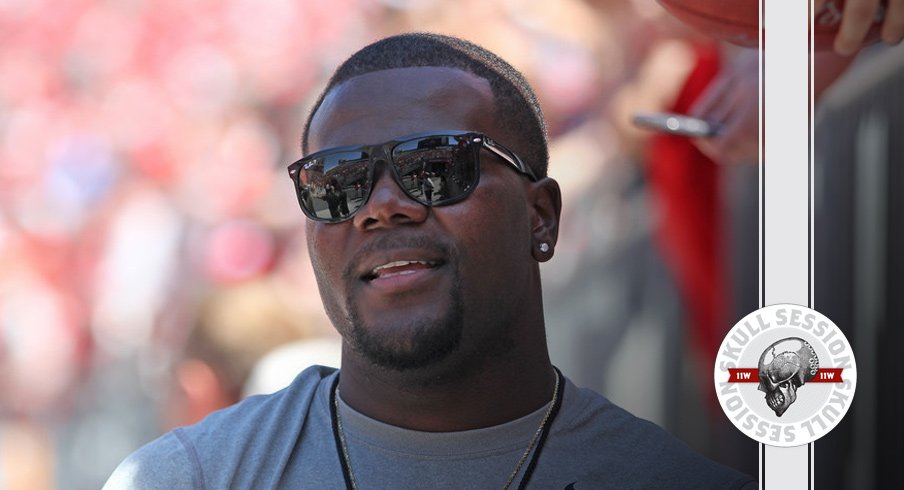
x=285, y=440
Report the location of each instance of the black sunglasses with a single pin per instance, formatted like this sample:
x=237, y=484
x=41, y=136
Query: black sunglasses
x=434, y=169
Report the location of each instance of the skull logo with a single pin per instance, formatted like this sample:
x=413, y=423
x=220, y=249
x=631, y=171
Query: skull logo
x=784, y=367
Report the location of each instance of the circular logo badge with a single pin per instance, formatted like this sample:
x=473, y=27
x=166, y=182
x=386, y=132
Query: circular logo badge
x=785, y=375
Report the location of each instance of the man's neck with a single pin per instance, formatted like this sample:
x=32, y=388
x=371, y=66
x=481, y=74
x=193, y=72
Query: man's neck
x=501, y=389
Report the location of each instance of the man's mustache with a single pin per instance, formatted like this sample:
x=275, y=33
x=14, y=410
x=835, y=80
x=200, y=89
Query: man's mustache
x=395, y=241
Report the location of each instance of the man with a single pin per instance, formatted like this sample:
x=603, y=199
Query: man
x=445, y=381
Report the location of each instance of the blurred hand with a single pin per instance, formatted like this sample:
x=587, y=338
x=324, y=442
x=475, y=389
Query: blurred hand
x=857, y=19
x=732, y=101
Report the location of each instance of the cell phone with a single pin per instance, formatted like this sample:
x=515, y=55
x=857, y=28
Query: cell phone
x=679, y=124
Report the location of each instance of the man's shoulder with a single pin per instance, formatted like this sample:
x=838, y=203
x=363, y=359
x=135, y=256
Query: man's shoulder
x=259, y=431
x=636, y=453
x=162, y=464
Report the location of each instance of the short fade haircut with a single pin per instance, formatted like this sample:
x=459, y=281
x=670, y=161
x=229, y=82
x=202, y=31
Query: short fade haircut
x=517, y=109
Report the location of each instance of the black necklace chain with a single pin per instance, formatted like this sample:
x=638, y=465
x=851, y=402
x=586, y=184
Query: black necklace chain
x=528, y=472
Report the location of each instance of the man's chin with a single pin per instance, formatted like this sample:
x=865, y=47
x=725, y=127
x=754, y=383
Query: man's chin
x=408, y=347
x=413, y=332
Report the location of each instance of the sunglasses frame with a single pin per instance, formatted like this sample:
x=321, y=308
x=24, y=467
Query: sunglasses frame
x=383, y=152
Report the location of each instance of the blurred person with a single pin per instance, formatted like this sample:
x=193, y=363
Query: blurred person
x=684, y=184
x=718, y=83
x=235, y=328
x=109, y=133
x=727, y=97
x=692, y=218
x=855, y=164
x=846, y=110
x=445, y=373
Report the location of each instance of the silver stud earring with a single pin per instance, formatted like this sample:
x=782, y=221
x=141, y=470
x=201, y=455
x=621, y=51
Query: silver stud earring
x=544, y=247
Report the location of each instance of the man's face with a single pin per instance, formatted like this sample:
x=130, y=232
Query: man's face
x=409, y=285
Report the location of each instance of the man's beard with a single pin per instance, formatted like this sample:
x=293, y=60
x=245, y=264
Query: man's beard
x=427, y=341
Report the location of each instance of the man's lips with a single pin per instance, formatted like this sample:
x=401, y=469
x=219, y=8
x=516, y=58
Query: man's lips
x=399, y=268
x=401, y=259
x=401, y=276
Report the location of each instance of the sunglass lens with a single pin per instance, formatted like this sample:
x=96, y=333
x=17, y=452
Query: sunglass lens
x=332, y=187
x=436, y=169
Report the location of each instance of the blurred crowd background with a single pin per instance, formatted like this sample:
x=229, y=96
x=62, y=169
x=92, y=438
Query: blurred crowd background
x=152, y=255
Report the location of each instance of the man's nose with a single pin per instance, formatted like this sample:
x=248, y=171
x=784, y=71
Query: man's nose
x=388, y=205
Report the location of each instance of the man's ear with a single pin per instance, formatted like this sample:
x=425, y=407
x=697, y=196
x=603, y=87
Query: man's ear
x=546, y=208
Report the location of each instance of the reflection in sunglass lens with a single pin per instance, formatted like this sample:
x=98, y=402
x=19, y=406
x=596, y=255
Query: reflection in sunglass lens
x=436, y=168
x=334, y=186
